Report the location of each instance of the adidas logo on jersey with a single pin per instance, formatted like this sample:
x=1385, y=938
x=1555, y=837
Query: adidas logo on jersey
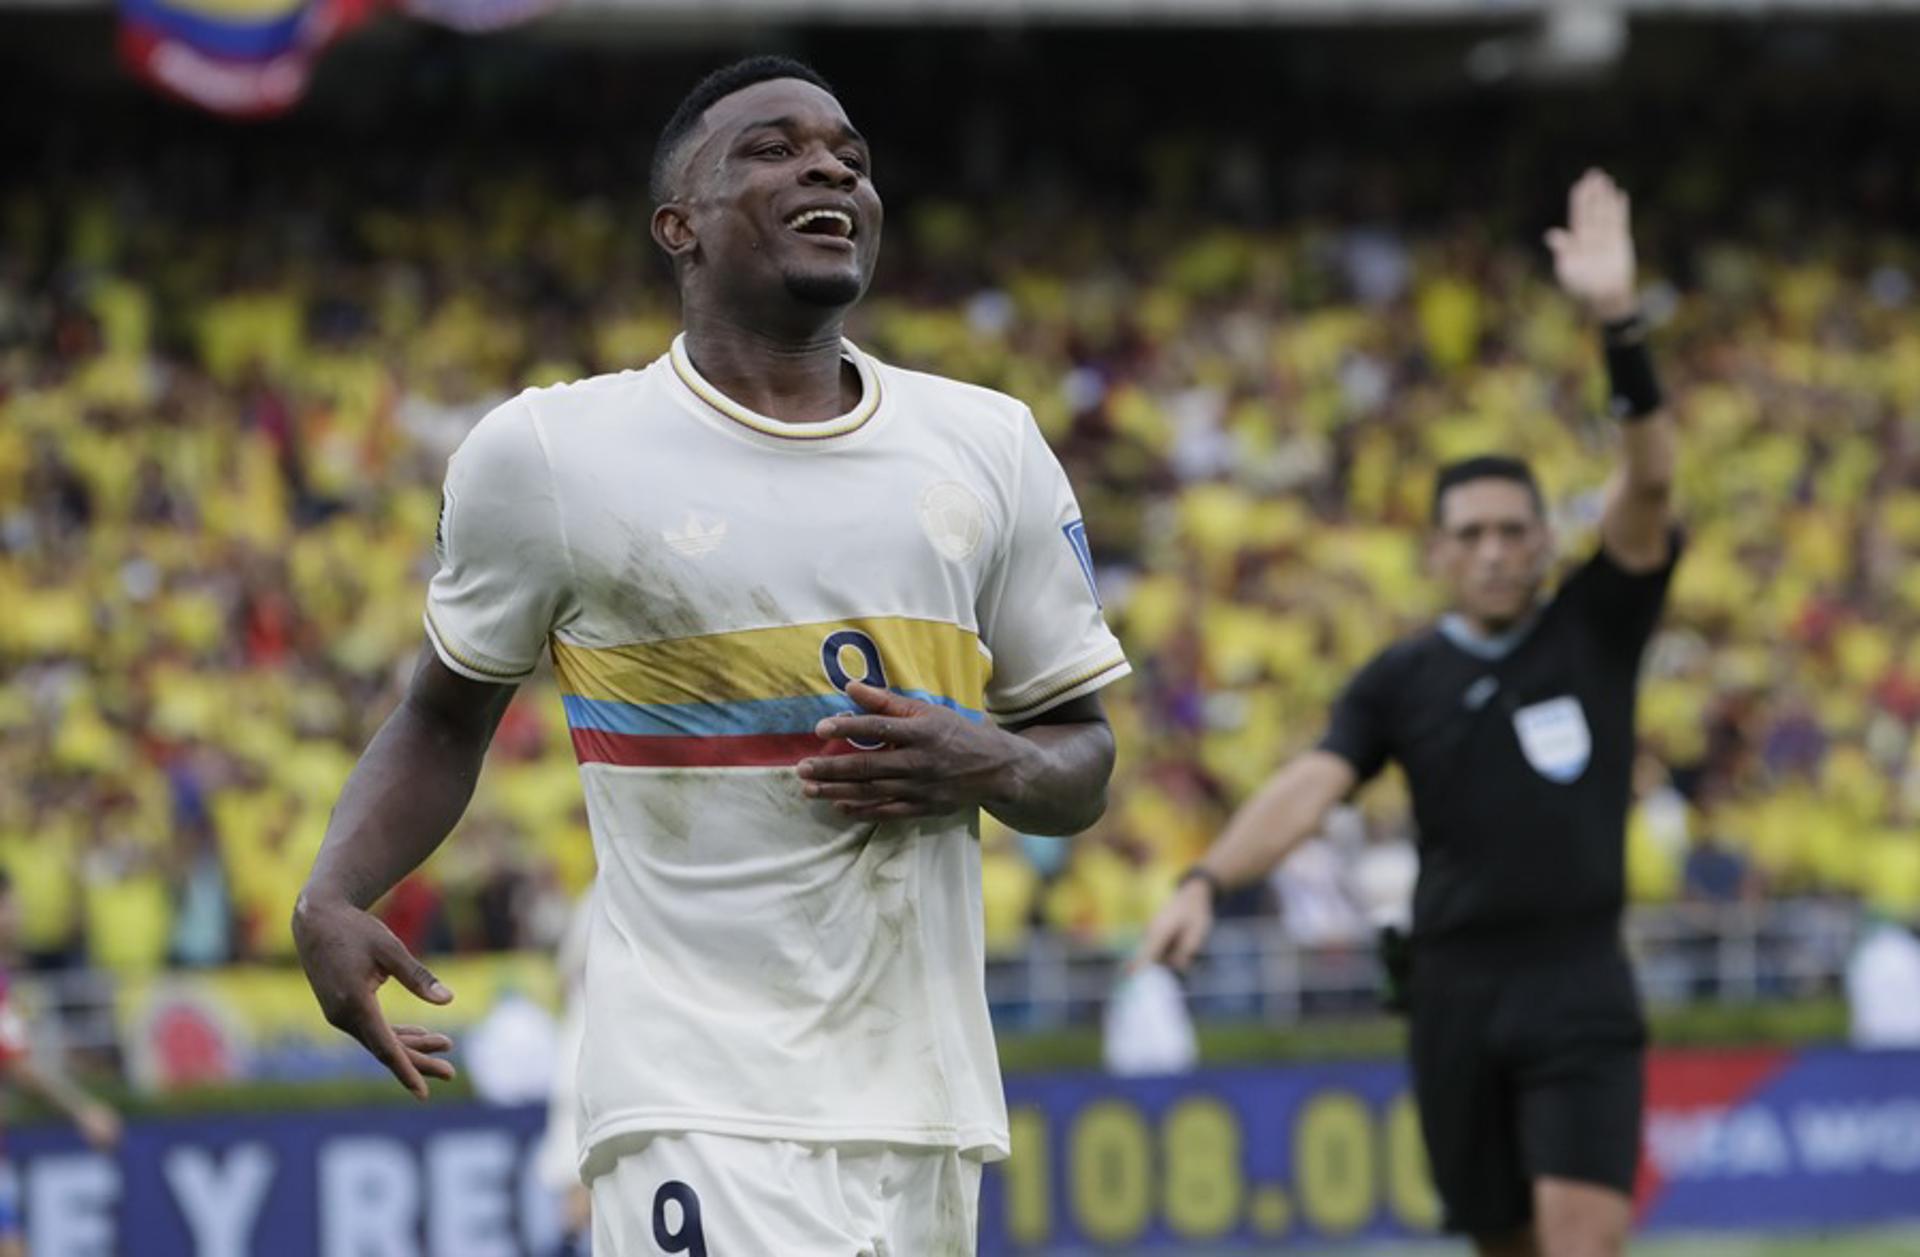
x=696, y=536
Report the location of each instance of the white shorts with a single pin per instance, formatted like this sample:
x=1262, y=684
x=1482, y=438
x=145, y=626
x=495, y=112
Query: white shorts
x=724, y=1196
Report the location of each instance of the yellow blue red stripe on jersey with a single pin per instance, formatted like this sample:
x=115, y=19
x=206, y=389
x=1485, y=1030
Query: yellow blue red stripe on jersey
x=751, y=698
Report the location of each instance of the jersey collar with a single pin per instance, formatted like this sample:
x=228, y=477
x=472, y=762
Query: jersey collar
x=712, y=401
x=1455, y=629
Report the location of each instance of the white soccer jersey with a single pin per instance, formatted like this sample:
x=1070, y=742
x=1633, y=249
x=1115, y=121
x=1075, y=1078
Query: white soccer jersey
x=709, y=580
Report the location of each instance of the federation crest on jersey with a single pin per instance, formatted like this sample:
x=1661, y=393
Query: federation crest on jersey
x=1076, y=533
x=953, y=519
x=1555, y=739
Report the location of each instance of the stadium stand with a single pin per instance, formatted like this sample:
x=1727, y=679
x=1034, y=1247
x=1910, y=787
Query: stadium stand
x=226, y=400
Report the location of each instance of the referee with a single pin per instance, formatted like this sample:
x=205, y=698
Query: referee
x=1513, y=719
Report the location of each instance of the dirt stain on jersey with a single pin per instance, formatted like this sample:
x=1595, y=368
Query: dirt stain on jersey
x=646, y=594
x=765, y=608
x=666, y=805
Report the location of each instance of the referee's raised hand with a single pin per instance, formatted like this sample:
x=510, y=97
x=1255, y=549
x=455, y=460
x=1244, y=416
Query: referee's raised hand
x=1593, y=254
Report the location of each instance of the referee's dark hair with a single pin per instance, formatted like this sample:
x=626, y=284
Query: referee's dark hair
x=1485, y=467
x=717, y=86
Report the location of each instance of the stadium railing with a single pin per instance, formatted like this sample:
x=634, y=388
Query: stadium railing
x=1253, y=970
x=1738, y=954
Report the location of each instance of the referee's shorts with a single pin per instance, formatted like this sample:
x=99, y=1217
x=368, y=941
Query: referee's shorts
x=1528, y=1061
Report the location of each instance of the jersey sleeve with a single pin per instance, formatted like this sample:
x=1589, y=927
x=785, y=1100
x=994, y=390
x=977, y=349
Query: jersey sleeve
x=1040, y=615
x=1623, y=608
x=1359, y=728
x=504, y=576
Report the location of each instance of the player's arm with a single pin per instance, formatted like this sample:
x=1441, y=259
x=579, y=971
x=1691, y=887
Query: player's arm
x=1046, y=776
x=1059, y=782
x=1290, y=808
x=502, y=587
x=402, y=800
x=1594, y=259
x=98, y=1123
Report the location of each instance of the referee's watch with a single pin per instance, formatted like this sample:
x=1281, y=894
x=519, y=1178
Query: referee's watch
x=1215, y=888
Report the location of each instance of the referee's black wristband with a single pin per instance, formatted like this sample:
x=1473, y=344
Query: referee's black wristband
x=1633, y=390
x=1215, y=888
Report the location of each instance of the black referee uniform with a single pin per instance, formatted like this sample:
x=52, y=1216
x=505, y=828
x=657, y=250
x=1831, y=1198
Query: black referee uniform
x=1527, y=1039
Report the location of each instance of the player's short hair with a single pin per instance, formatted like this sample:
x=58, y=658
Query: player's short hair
x=1485, y=467
x=708, y=92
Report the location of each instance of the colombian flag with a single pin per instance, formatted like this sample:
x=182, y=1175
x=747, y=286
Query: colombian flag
x=242, y=58
x=255, y=58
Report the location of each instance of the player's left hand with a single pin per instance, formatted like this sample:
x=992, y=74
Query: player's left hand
x=99, y=1126
x=1593, y=253
x=932, y=760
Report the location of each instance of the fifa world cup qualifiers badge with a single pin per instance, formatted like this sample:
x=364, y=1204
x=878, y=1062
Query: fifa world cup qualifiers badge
x=1077, y=537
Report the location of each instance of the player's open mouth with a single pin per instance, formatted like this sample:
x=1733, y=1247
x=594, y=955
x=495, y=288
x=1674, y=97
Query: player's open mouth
x=830, y=224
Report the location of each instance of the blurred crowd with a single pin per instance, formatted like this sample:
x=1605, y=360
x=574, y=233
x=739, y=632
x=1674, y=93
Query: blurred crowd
x=221, y=441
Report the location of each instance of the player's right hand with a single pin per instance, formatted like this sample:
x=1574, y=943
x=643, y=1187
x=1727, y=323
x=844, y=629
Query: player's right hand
x=347, y=954
x=1180, y=929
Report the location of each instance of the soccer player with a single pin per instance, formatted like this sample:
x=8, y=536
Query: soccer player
x=809, y=613
x=98, y=1124
x=1513, y=719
